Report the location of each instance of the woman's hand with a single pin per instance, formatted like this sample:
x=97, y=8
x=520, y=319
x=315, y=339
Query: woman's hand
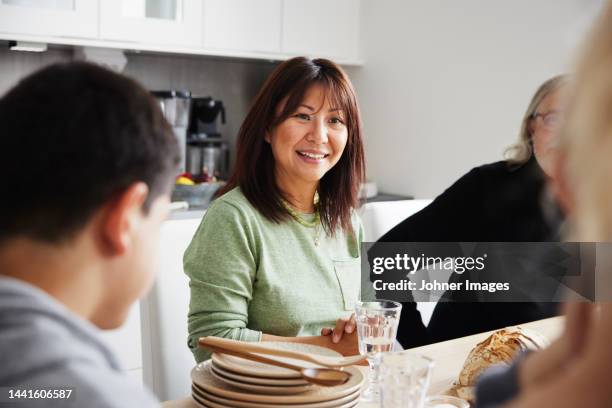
x=347, y=346
x=344, y=325
x=341, y=338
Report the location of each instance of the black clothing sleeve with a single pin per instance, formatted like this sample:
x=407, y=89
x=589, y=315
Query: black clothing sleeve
x=499, y=384
x=448, y=218
x=443, y=220
x=491, y=203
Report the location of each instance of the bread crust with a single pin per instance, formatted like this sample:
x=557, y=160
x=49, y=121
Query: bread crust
x=501, y=347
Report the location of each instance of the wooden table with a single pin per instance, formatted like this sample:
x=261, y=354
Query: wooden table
x=449, y=357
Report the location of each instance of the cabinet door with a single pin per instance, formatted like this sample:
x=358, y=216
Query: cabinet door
x=244, y=25
x=170, y=360
x=165, y=22
x=126, y=341
x=322, y=28
x=57, y=18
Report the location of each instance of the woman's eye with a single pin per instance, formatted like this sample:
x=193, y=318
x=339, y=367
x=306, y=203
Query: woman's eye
x=336, y=121
x=551, y=118
x=302, y=116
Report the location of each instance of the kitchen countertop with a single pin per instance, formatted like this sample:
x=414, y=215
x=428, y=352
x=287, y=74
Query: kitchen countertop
x=189, y=214
x=198, y=212
x=388, y=197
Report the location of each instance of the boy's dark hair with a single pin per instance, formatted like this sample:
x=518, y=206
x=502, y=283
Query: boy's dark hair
x=73, y=136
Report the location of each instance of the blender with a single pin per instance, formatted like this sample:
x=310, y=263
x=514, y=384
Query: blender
x=176, y=107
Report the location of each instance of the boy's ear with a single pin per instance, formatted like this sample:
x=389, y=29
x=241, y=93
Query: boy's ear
x=121, y=218
x=559, y=184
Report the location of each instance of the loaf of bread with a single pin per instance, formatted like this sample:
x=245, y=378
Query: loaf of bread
x=500, y=347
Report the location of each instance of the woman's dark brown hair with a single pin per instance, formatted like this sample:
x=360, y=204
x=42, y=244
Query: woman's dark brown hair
x=254, y=171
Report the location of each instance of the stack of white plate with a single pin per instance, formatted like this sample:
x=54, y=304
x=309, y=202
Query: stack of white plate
x=228, y=381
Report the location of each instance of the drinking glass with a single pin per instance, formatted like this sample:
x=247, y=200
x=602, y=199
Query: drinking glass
x=404, y=379
x=377, y=323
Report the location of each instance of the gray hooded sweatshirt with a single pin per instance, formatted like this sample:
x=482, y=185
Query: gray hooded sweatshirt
x=43, y=344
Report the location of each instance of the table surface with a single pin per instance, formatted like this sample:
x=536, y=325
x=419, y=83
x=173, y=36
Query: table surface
x=449, y=357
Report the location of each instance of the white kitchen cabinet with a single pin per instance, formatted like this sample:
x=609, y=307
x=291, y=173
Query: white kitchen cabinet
x=321, y=28
x=163, y=22
x=57, y=18
x=126, y=342
x=169, y=361
x=261, y=29
x=244, y=25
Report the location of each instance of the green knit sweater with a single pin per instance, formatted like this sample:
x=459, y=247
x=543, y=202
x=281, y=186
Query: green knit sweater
x=249, y=275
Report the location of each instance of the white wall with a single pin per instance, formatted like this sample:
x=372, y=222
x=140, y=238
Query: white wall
x=446, y=82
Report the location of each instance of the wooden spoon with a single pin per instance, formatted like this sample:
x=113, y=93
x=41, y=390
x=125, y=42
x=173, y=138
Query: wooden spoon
x=242, y=346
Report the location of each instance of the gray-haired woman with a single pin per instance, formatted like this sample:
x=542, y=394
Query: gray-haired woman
x=540, y=125
x=498, y=202
x=574, y=371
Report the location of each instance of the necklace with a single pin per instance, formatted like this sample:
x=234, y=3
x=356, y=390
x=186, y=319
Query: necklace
x=315, y=223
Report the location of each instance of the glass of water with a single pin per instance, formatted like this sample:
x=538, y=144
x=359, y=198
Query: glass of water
x=405, y=378
x=377, y=323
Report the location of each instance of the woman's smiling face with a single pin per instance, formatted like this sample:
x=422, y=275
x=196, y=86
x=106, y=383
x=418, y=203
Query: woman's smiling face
x=310, y=141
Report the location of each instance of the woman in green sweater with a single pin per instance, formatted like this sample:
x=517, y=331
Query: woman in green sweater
x=276, y=257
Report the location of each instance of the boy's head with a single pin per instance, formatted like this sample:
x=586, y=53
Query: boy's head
x=87, y=161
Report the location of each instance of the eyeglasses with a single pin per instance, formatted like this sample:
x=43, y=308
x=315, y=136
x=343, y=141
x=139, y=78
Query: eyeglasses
x=551, y=119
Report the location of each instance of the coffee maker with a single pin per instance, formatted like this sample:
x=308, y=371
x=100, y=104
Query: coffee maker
x=176, y=108
x=207, y=151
